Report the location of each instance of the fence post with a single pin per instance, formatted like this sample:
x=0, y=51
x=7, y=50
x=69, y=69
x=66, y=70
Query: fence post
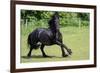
x=26, y=22
x=79, y=21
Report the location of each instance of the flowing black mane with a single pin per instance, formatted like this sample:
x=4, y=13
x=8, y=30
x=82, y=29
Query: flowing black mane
x=54, y=22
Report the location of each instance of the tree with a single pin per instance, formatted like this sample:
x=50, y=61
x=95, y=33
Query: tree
x=84, y=16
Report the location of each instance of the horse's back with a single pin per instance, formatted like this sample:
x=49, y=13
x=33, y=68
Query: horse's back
x=43, y=35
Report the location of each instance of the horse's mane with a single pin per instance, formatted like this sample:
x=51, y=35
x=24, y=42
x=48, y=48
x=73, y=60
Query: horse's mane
x=54, y=22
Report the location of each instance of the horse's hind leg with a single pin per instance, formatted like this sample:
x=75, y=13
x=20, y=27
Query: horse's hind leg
x=29, y=53
x=42, y=50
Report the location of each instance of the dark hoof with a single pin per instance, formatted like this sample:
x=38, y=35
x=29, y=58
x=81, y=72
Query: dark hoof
x=70, y=51
x=65, y=55
x=46, y=56
x=28, y=55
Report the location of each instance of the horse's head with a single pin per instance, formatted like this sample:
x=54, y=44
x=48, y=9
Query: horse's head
x=54, y=22
x=56, y=15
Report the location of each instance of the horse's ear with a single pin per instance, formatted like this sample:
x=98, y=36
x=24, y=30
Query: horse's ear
x=56, y=13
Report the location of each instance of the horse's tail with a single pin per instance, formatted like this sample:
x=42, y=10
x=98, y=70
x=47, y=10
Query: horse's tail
x=29, y=40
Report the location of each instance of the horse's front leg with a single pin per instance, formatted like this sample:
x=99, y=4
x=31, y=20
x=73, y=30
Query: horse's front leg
x=61, y=44
x=63, y=52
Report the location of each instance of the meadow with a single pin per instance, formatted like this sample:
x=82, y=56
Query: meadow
x=77, y=39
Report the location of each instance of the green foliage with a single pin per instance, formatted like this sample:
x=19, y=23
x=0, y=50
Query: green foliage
x=85, y=23
x=41, y=18
x=84, y=16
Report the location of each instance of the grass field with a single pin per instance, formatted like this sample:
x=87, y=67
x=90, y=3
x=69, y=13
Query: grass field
x=77, y=39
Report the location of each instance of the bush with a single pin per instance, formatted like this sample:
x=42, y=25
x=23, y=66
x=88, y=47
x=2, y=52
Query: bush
x=85, y=23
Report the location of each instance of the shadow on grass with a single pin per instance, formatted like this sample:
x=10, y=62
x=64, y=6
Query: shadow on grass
x=38, y=56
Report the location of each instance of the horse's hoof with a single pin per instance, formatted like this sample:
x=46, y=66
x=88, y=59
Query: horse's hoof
x=70, y=51
x=46, y=56
x=65, y=55
x=28, y=55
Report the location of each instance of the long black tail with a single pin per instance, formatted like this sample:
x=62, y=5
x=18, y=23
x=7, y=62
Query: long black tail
x=29, y=40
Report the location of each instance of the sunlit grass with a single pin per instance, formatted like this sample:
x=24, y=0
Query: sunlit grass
x=77, y=39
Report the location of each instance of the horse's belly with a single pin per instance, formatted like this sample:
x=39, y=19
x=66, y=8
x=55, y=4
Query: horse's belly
x=46, y=40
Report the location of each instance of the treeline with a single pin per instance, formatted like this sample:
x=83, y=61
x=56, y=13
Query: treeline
x=41, y=18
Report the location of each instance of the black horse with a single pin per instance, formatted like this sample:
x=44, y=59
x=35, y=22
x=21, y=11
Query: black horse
x=42, y=37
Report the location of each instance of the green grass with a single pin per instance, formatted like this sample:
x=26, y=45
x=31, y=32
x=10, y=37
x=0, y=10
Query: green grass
x=77, y=39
